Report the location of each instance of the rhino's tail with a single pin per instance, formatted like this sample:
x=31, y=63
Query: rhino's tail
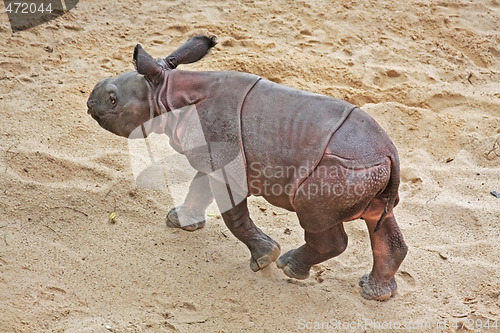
x=391, y=191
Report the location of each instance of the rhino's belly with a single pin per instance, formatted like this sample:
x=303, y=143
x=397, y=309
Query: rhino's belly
x=275, y=183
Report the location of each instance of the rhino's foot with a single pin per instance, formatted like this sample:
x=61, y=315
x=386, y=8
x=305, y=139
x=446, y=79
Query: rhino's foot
x=263, y=253
x=291, y=267
x=376, y=289
x=178, y=218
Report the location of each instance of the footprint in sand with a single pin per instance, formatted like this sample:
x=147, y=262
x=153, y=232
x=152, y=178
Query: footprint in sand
x=50, y=169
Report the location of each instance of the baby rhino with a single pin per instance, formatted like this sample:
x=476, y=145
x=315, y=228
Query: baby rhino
x=318, y=156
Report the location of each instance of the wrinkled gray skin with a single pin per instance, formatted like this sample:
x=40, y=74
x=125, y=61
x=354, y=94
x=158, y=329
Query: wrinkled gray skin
x=121, y=104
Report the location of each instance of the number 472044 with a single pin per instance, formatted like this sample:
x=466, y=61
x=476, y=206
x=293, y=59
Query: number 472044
x=475, y=324
x=28, y=8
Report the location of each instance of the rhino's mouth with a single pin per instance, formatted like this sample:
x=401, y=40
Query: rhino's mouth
x=93, y=115
x=101, y=121
x=105, y=121
x=96, y=117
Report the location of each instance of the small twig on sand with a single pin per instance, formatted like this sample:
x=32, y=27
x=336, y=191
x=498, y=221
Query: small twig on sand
x=5, y=156
x=432, y=199
x=73, y=209
x=493, y=150
x=469, y=77
x=50, y=228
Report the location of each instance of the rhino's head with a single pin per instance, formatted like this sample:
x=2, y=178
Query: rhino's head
x=121, y=104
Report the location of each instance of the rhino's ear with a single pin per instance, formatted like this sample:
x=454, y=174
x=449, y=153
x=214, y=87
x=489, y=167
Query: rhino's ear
x=191, y=51
x=145, y=64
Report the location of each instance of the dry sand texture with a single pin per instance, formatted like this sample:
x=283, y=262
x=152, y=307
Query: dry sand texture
x=427, y=71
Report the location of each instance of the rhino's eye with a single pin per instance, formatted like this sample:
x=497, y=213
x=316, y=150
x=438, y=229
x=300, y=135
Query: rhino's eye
x=112, y=99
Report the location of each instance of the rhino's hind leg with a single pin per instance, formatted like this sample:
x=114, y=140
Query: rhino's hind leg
x=389, y=250
x=318, y=248
x=264, y=250
x=190, y=216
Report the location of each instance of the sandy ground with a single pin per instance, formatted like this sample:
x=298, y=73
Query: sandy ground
x=427, y=71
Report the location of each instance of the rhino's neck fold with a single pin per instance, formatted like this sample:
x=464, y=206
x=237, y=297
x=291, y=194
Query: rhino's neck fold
x=188, y=88
x=156, y=93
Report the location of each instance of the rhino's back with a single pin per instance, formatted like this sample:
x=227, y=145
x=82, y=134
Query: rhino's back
x=361, y=142
x=285, y=133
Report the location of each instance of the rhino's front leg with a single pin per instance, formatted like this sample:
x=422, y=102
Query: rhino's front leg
x=264, y=250
x=190, y=215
